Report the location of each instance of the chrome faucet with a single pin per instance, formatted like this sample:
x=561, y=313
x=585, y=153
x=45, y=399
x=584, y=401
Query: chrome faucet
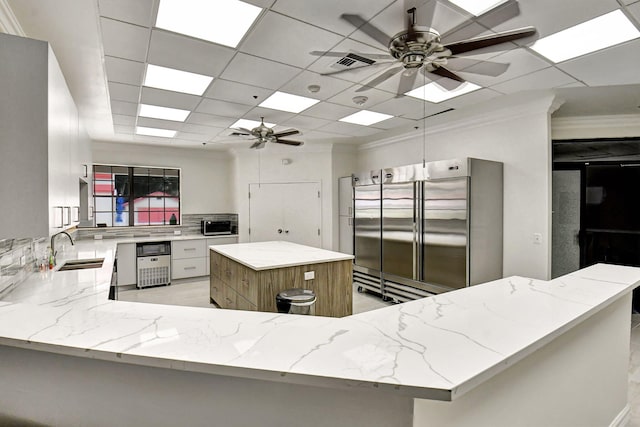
x=53, y=251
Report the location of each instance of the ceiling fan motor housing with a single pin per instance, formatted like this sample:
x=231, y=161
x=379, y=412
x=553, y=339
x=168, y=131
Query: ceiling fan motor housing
x=413, y=46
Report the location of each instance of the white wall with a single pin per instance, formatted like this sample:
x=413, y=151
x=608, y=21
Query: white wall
x=514, y=130
x=206, y=175
x=309, y=163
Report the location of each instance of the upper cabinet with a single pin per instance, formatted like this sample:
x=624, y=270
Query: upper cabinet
x=40, y=166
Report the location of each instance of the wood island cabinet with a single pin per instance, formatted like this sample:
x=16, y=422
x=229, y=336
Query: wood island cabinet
x=234, y=285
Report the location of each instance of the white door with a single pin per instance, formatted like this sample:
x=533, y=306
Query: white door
x=285, y=211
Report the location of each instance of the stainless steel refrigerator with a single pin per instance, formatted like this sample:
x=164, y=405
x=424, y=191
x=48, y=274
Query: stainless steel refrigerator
x=440, y=228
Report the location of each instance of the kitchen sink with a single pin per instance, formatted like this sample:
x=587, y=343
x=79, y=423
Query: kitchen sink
x=82, y=264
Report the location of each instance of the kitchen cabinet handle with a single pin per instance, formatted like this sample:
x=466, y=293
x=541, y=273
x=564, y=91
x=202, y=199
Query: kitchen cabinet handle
x=189, y=249
x=189, y=268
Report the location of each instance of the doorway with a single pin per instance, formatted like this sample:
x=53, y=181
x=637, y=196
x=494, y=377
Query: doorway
x=286, y=211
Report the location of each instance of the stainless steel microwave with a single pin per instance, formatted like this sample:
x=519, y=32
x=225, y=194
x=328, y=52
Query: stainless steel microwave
x=219, y=226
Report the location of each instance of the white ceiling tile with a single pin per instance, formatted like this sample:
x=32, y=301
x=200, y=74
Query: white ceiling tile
x=395, y=122
x=158, y=123
x=261, y=3
x=349, y=129
x=326, y=110
x=167, y=98
x=123, y=92
x=188, y=54
x=222, y=108
x=305, y=122
x=124, y=71
x=192, y=136
x=272, y=38
x=329, y=86
x=408, y=107
x=471, y=98
x=375, y=97
x=124, y=108
x=612, y=66
x=258, y=72
x=546, y=78
x=124, y=40
x=271, y=116
x=123, y=129
x=210, y=120
x=240, y=93
x=326, y=13
x=139, y=12
x=551, y=16
x=119, y=119
x=635, y=10
x=201, y=129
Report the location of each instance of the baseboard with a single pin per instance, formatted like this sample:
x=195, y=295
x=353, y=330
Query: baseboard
x=622, y=418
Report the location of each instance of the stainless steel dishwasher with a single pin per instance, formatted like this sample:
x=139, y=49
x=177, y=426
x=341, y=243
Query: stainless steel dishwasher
x=154, y=263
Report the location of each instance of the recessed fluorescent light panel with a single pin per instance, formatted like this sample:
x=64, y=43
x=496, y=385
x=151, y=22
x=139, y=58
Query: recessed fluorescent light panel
x=220, y=21
x=365, y=118
x=287, y=102
x=598, y=33
x=477, y=7
x=249, y=124
x=176, y=80
x=435, y=93
x=165, y=133
x=165, y=113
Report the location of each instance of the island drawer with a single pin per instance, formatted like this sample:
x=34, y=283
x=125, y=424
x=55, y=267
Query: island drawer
x=189, y=249
x=190, y=267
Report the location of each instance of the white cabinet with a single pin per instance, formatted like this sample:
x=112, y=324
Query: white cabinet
x=218, y=241
x=39, y=125
x=188, y=258
x=126, y=255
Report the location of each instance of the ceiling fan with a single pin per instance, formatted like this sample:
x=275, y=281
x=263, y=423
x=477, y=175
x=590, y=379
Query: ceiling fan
x=421, y=47
x=264, y=134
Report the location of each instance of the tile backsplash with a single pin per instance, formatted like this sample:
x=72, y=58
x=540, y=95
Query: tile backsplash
x=18, y=258
x=190, y=225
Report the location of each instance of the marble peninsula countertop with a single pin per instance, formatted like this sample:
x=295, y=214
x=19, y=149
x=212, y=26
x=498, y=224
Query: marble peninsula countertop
x=434, y=348
x=268, y=255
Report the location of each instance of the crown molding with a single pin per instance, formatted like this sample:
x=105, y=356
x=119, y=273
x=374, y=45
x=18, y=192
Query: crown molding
x=8, y=22
x=492, y=112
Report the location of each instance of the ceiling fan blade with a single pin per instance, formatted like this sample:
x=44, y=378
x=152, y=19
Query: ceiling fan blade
x=489, y=40
x=381, y=78
x=288, y=142
x=450, y=81
x=257, y=144
x=376, y=64
x=476, y=66
x=490, y=19
x=407, y=80
x=241, y=131
x=367, y=28
x=329, y=53
x=287, y=132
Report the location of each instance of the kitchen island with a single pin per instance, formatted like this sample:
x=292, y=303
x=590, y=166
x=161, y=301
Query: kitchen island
x=514, y=351
x=248, y=276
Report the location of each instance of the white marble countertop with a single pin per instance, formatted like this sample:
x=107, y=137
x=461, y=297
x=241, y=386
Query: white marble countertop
x=268, y=255
x=435, y=348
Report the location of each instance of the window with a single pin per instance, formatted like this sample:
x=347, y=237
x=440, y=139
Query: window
x=134, y=196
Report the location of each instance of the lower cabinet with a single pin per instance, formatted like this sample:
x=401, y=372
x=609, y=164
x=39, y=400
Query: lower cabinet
x=226, y=272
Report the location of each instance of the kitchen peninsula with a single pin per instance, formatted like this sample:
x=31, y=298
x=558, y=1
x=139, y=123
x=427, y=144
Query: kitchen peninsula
x=247, y=276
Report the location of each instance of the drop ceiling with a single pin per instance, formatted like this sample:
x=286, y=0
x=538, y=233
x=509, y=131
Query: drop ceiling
x=103, y=46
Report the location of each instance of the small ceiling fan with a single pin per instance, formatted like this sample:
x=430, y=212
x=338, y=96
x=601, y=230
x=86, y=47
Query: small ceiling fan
x=421, y=47
x=264, y=134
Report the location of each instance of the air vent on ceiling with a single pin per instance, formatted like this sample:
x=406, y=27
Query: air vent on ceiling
x=352, y=60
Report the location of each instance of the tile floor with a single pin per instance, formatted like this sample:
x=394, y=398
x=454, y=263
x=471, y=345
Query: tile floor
x=196, y=294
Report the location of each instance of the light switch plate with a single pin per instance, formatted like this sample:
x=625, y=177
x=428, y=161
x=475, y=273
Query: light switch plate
x=309, y=275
